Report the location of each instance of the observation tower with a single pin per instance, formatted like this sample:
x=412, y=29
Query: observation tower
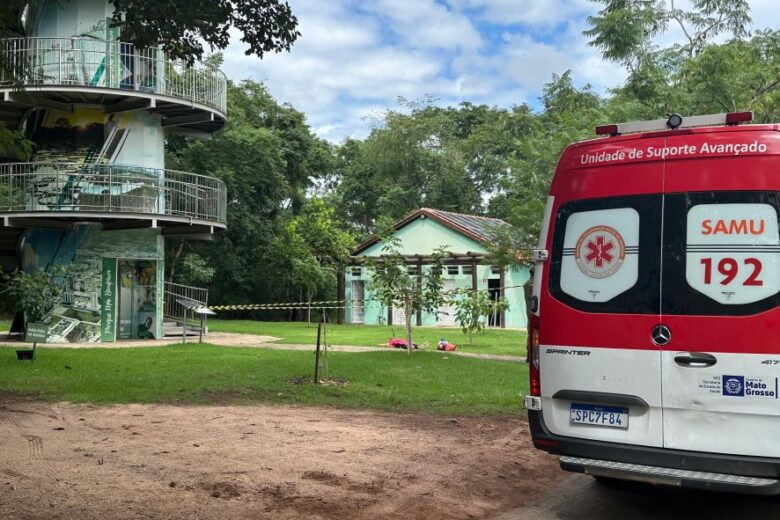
x=95, y=195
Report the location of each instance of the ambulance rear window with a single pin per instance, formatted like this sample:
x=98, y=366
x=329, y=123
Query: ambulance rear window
x=606, y=255
x=721, y=253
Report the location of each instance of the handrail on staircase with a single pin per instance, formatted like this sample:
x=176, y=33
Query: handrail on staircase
x=174, y=310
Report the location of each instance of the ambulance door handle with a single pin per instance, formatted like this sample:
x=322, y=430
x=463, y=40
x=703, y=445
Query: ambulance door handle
x=695, y=360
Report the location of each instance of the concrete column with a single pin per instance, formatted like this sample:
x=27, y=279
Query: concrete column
x=501, y=294
x=419, y=282
x=341, y=293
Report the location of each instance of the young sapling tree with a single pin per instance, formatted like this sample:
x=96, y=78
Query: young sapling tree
x=392, y=284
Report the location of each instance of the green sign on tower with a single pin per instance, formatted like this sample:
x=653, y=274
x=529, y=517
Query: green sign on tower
x=108, y=301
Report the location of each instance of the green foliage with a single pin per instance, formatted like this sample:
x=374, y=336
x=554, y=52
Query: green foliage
x=738, y=75
x=265, y=25
x=414, y=160
x=695, y=75
x=13, y=144
x=470, y=158
x=36, y=293
x=624, y=29
x=393, y=285
x=195, y=271
x=313, y=248
x=319, y=230
x=277, y=245
x=472, y=309
x=182, y=28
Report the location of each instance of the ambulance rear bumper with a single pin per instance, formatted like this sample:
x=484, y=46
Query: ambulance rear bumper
x=711, y=471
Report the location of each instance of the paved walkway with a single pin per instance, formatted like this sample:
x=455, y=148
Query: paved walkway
x=229, y=339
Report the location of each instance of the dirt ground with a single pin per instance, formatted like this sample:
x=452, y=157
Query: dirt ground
x=276, y=462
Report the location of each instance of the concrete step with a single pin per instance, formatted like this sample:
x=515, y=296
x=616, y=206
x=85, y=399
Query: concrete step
x=172, y=328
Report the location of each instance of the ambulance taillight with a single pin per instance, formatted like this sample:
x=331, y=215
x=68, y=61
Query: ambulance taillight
x=533, y=345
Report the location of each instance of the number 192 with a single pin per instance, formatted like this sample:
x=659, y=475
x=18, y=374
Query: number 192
x=729, y=268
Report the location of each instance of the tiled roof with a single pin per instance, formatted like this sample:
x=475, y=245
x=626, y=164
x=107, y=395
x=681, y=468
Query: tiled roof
x=477, y=228
x=482, y=227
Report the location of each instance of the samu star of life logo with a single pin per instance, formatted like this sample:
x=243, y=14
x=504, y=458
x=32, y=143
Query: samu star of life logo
x=600, y=252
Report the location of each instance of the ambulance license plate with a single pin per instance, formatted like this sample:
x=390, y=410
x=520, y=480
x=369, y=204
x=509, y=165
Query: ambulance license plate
x=593, y=415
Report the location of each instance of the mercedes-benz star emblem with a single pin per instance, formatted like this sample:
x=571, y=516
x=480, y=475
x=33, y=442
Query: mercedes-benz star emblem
x=661, y=335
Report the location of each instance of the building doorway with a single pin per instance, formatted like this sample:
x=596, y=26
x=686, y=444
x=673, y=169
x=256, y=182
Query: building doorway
x=358, y=295
x=137, y=299
x=447, y=312
x=494, y=291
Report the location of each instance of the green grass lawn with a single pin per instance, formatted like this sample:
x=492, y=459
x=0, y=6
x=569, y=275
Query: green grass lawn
x=206, y=374
x=489, y=341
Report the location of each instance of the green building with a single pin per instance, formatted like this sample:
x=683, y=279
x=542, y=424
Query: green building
x=468, y=266
x=96, y=195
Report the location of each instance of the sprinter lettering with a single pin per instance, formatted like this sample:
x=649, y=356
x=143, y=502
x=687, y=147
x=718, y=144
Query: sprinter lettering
x=733, y=227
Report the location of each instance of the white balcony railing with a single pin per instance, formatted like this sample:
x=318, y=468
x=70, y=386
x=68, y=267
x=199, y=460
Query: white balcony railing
x=70, y=187
x=89, y=62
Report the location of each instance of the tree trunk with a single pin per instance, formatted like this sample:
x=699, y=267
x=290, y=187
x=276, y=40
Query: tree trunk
x=308, y=308
x=289, y=311
x=179, y=251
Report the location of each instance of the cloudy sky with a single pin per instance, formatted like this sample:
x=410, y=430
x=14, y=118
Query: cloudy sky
x=356, y=57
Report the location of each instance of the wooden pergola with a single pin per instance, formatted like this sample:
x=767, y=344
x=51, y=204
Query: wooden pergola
x=418, y=261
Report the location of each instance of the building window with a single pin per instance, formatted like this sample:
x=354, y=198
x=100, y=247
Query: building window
x=495, y=269
x=356, y=271
x=411, y=270
x=452, y=270
x=468, y=269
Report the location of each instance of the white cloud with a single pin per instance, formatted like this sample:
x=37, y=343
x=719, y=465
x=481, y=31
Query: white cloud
x=531, y=64
x=543, y=13
x=355, y=57
x=426, y=23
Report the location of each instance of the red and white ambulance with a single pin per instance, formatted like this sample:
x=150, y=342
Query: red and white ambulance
x=655, y=333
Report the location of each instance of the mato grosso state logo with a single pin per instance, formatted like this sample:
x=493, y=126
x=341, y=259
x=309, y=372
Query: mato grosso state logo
x=600, y=252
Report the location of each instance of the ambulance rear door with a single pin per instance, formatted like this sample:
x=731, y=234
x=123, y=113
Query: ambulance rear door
x=721, y=278
x=600, y=371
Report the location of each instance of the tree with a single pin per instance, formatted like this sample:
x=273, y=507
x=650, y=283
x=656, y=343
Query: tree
x=624, y=30
x=392, y=284
x=569, y=115
x=408, y=161
x=315, y=248
x=738, y=75
x=279, y=245
x=693, y=75
x=472, y=308
x=13, y=144
x=36, y=293
x=194, y=270
x=181, y=27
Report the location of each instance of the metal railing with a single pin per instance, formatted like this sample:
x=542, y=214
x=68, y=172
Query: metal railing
x=90, y=62
x=175, y=293
x=112, y=188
